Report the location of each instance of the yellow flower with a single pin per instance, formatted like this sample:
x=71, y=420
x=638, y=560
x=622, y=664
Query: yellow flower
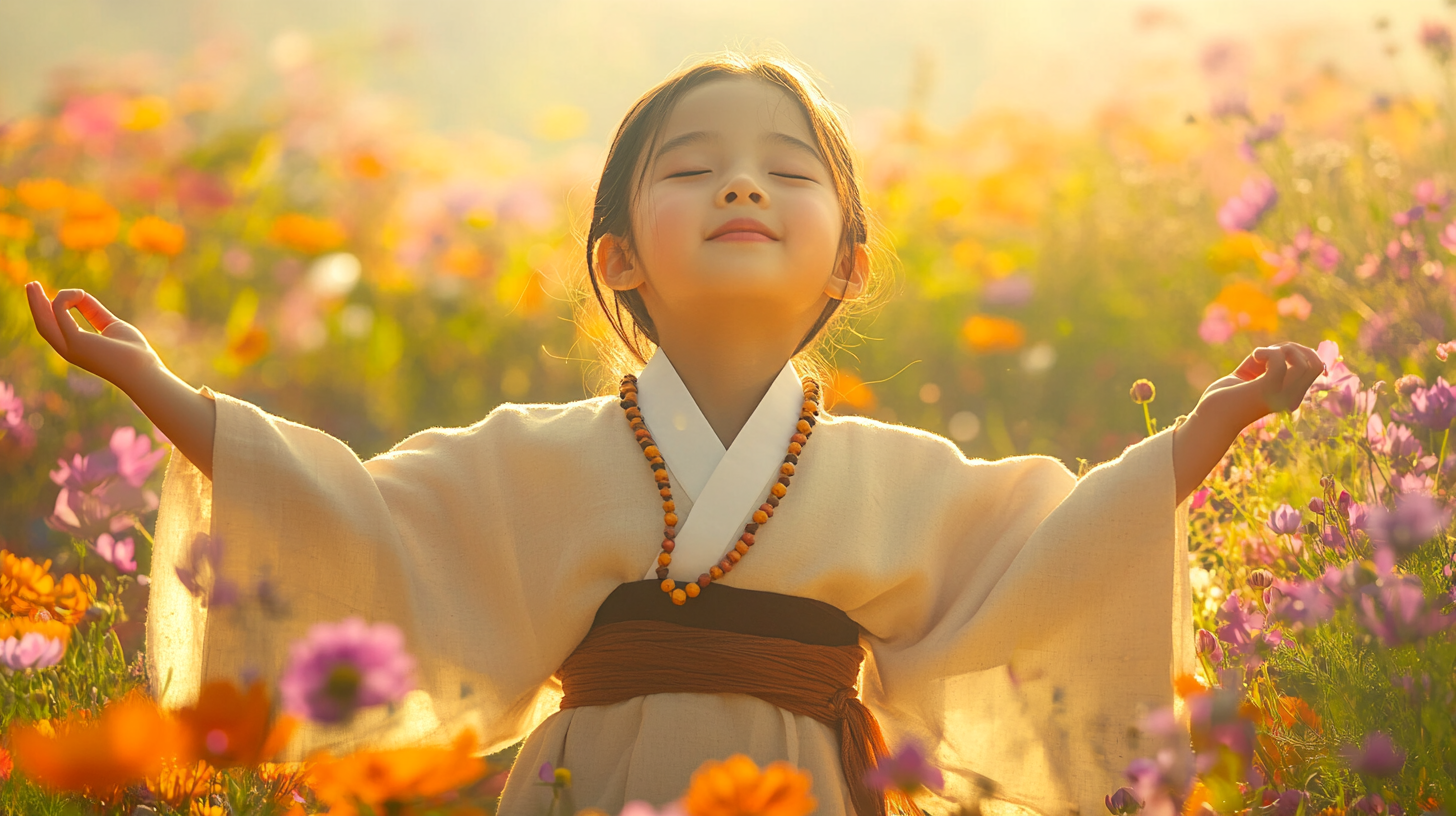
x=73, y=598
x=19, y=627
x=90, y=222
x=736, y=787
x=15, y=228
x=146, y=113
x=42, y=194
x=989, y=333
x=24, y=584
x=152, y=234
x=306, y=234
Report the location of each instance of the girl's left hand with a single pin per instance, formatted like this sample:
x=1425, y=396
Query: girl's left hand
x=1272, y=378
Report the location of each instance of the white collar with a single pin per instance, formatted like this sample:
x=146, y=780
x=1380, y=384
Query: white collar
x=725, y=486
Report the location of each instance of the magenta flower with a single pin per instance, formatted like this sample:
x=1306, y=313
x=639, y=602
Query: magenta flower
x=201, y=573
x=1207, y=643
x=1122, y=802
x=1244, y=211
x=1217, y=325
x=120, y=554
x=1433, y=407
x=1376, y=756
x=1288, y=802
x=1259, y=134
x=1012, y=290
x=1242, y=624
x=637, y=807
x=135, y=459
x=107, y=508
x=1284, y=520
x=12, y=410
x=1415, y=520
x=31, y=651
x=1369, y=805
x=85, y=472
x=906, y=770
x=1304, y=603
x=339, y=668
x=1448, y=237
x=1436, y=38
x=1395, y=611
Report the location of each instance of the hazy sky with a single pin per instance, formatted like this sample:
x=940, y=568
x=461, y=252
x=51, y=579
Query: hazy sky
x=484, y=63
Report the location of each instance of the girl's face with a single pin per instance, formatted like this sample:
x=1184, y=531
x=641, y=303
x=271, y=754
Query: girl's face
x=736, y=155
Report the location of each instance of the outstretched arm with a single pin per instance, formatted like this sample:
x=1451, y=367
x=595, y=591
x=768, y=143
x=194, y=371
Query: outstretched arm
x=1272, y=378
x=118, y=353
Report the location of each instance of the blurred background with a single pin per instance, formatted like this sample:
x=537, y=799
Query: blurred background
x=367, y=216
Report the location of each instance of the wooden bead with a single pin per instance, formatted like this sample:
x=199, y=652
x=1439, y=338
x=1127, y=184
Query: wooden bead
x=634, y=412
x=668, y=585
x=784, y=480
x=679, y=597
x=670, y=519
x=669, y=533
x=767, y=509
x=665, y=492
x=651, y=450
x=778, y=490
x=642, y=434
x=662, y=573
x=692, y=590
x=715, y=572
x=735, y=556
x=751, y=527
x=799, y=438
x=741, y=548
x=664, y=558
x=748, y=539
x=656, y=460
x=759, y=517
x=668, y=545
x=795, y=448
x=773, y=501
x=786, y=469
x=660, y=475
x=669, y=506
x=809, y=406
x=803, y=426
x=725, y=565
x=791, y=459
x=704, y=580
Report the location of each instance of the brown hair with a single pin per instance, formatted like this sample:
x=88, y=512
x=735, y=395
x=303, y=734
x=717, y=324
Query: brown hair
x=638, y=134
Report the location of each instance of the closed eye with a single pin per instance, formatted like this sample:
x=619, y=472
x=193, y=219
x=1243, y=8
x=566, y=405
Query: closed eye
x=792, y=176
x=688, y=173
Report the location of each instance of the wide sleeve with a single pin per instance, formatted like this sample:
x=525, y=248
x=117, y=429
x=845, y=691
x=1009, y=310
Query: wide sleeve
x=1054, y=614
x=412, y=536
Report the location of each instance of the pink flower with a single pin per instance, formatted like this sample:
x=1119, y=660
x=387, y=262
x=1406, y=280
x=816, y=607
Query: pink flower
x=1259, y=134
x=1217, y=326
x=1284, y=520
x=1206, y=643
x=135, y=459
x=1395, y=611
x=201, y=574
x=1376, y=756
x=906, y=771
x=31, y=651
x=12, y=409
x=1305, y=603
x=1433, y=407
x=1122, y=802
x=1416, y=519
x=1443, y=351
x=1243, y=624
x=120, y=554
x=1244, y=211
x=1295, y=306
x=1436, y=38
x=339, y=668
x=637, y=807
x=1448, y=237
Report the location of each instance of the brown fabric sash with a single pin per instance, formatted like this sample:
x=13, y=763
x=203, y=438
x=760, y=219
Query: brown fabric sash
x=630, y=658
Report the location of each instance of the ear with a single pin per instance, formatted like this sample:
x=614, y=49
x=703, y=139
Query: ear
x=850, y=278
x=615, y=265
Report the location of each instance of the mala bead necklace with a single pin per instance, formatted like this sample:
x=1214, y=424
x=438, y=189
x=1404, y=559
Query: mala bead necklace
x=691, y=589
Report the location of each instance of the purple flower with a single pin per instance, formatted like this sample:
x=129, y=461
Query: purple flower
x=135, y=459
x=1433, y=407
x=1242, y=624
x=1288, y=802
x=1259, y=134
x=1306, y=603
x=1376, y=756
x=1012, y=290
x=1207, y=643
x=105, y=508
x=546, y=773
x=1415, y=520
x=1448, y=237
x=1436, y=38
x=1122, y=802
x=338, y=668
x=1342, y=390
x=1284, y=520
x=120, y=554
x=1396, y=612
x=12, y=409
x=1369, y=805
x=1244, y=211
x=201, y=573
x=85, y=472
x=1317, y=505
x=906, y=771
x=31, y=651
x=637, y=807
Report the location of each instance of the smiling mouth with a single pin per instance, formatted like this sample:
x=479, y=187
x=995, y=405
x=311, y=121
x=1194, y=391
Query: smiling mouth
x=742, y=236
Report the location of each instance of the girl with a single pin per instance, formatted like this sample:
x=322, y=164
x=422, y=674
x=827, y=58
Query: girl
x=705, y=563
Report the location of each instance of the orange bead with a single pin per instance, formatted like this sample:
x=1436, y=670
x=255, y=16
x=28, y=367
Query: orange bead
x=778, y=490
x=640, y=434
x=679, y=597
x=799, y=438
x=795, y=448
x=657, y=460
x=803, y=426
x=663, y=559
x=786, y=469
x=767, y=509
x=670, y=519
x=665, y=492
x=759, y=516
x=669, y=506
x=741, y=548
x=651, y=450
x=660, y=475
x=692, y=590
x=668, y=545
x=809, y=407
x=668, y=585
x=715, y=573
x=735, y=556
x=748, y=539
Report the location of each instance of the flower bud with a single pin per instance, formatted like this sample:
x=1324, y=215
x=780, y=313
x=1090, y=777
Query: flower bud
x=1317, y=505
x=1409, y=384
x=1261, y=579
x=1344, y=503
x=1143, y=392
x=1205, y=641
x=1327, y=482
x=1123, y=802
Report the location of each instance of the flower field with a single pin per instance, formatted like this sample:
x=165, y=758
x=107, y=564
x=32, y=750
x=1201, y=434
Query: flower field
x=297, y=242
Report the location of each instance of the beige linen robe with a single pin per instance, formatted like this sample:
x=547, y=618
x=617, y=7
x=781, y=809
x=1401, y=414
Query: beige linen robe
x=1017, y=620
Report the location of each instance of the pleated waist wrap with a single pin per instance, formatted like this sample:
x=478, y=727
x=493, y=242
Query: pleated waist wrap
x=635, y=647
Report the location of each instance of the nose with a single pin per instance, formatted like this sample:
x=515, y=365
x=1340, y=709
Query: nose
x=743, y=185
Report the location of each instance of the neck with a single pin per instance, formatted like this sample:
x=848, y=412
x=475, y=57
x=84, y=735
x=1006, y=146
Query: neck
x=726, y=372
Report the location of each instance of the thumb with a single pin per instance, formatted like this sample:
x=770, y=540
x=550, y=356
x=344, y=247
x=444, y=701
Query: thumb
x=1253, y=365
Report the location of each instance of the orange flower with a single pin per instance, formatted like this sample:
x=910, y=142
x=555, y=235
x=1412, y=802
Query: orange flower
x=90, y=222
x=1249, y=307
x=229, y=728
x=152, y=234
x=366, y=164
x=18, y=627
x=15, y=228
x=181, y=782
x=847, y=387
x=736, y=787
x=306, y=234
x=129, y=741
x=1293, y=709
x=377, y=777
x=24, y=584
x=1188, y=685
x=42, y=194
x=73, y=598
x=248, y=346
x=989, y=333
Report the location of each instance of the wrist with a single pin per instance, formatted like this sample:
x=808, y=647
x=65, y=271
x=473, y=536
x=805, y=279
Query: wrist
x=1229, y=410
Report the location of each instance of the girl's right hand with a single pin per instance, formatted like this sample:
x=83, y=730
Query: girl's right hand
x=115, y=352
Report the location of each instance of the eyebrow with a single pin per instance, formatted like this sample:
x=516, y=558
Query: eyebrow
x=696, y=136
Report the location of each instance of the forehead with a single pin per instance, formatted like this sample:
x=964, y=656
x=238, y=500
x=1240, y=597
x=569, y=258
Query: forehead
x=737, y=106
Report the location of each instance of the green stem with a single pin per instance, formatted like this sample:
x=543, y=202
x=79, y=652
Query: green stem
x=1148, y=418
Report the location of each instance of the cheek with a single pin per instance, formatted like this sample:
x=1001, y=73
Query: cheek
x=816, y=220
x=669, y=225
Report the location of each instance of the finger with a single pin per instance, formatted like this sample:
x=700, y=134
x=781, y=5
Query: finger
x=45, y=319
x=61, y=308
x=1274, y=376
x=1253, y=365
x=97, y=315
